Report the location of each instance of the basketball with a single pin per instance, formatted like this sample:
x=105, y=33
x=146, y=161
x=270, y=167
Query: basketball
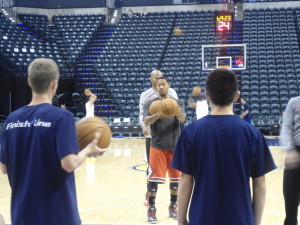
x=87, y=92
x=196, y=91
x=177, y=31
x=169, y=107
x=155, y=107
x=86, y=129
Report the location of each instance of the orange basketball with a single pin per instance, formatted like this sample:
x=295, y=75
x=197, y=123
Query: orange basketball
x=87, y=92
x=155, y=107
x=196, y=91
x=169, y=107
x=86, y=129
x=177, y=31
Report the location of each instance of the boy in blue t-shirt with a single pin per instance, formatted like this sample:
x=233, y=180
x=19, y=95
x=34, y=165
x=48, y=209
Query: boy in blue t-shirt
x=217, y=156
x=246, y=111
x=39, y=152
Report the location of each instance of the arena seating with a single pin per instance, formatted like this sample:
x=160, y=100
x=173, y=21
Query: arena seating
x=272, y=77
x=19, y=46
x=115, y=61
x=77, y=30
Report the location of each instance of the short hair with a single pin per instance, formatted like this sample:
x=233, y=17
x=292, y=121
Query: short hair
x=41, y=73
x=244, y=99
x=221, y=86
x=164, y=78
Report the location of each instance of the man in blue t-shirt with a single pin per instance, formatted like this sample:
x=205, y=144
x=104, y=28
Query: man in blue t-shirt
x=39, y=152
x=245, y=111
x=217, y=156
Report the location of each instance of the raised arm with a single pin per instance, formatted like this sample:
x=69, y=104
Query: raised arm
x=93, y=98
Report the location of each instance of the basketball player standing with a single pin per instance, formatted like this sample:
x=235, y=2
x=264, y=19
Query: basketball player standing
x=165, y=133
x=149, y=94
x=39, y=152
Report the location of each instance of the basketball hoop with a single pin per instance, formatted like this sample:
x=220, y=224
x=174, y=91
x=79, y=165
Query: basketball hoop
x=226, y=56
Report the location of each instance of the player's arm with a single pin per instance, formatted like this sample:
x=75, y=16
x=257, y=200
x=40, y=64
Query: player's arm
x=181, y=116
x=191, y=102
x=259, y=197
x=180, y=113
x=151, y=119
x=3, y=168
x=93, y=98
x=184, y=195
x=72, y=161
x=144, y=127
x=244, y=114
x=286, y=132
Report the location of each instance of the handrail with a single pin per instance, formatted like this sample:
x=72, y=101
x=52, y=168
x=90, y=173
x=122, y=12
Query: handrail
x=6, y=3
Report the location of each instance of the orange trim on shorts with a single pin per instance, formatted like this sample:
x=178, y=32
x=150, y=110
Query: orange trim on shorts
x=160, y=164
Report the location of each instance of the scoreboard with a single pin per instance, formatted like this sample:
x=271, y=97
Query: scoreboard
x=223, y=21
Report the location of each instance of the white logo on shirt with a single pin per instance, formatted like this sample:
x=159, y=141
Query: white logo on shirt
x=34, y=123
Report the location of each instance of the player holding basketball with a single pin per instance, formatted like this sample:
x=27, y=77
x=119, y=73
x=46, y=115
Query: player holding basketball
x=39, y=152
x=147, y=95
x=217, y=155
x=165, y=133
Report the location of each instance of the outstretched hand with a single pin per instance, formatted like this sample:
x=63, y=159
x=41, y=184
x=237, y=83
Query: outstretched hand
x=93, y=149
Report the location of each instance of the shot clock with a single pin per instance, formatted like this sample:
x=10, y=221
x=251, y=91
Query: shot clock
x=223, y=22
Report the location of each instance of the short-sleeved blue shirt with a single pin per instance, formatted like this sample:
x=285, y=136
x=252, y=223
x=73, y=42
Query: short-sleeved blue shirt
x=34, y=141
x=245, y=107
x=222, y=153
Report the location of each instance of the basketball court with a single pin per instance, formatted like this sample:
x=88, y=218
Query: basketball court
x=111, y=188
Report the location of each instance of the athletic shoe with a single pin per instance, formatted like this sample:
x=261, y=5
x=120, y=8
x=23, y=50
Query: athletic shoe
x=151, y=213
x=173, y=211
